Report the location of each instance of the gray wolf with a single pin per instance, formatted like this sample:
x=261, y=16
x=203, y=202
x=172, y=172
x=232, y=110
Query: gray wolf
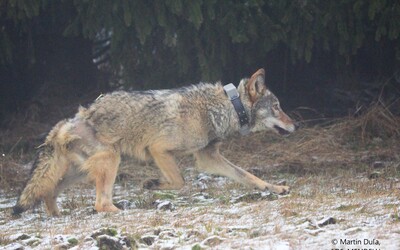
x=151, y=125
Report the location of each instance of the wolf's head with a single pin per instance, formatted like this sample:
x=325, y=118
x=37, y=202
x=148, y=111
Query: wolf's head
x=266, y=112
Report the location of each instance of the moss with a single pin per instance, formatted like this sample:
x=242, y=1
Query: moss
x=111, y=232
x=104, y=231
x=73, y=241
x=197, y=247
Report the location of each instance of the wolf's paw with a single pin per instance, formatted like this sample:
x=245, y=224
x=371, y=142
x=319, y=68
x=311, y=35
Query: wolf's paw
x=152, y=184
x=106, y=208
x=282, y=190
x=156, y=184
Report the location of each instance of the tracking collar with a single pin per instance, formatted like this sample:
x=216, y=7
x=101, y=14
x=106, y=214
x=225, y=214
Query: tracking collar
x=233, y=95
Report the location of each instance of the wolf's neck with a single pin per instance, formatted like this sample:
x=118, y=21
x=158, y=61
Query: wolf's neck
x=224, y=118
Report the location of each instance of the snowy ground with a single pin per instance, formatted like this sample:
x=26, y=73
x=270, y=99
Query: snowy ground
x=339, y=211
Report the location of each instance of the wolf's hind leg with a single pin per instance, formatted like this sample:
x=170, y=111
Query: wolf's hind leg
x=72, y=176
x=210, y=160
x=51, y=204
x=102, y=168
x=166, y=163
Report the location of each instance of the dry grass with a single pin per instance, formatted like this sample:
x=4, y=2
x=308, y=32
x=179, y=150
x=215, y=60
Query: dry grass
x=343, y=143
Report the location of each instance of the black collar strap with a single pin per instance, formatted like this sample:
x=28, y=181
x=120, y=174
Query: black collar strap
x=233, y=95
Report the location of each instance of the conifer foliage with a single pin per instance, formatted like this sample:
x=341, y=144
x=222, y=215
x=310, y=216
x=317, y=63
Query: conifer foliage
x=175, y=40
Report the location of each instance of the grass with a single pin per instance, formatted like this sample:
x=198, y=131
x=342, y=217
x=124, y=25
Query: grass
x=209, y=221
x=395, y=215
x=4, y=240
x=156, y=220
x=348, y=207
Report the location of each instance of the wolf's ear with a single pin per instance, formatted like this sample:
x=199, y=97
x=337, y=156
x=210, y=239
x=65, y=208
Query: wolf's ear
x=256, y=85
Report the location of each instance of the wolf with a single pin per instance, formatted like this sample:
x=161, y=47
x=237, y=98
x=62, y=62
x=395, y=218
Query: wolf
x=153, y=125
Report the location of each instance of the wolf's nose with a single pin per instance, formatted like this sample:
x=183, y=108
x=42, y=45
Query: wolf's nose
x=297, y=125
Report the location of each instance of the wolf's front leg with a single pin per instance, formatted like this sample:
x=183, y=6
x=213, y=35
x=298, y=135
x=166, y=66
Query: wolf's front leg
x=250, y=180
x=210, y=160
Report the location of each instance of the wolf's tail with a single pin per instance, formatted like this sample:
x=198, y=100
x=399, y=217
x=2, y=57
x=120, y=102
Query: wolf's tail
x=46, y=170
x=42, y=180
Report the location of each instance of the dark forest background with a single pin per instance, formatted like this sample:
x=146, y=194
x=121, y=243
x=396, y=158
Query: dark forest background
x=330, y=56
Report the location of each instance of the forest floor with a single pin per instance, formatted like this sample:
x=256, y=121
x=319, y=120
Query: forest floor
x=345, y=194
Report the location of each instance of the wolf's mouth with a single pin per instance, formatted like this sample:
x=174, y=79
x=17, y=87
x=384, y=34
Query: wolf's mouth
x=281, y=131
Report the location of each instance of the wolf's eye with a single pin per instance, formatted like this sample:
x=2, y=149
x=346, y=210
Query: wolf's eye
x=275, y=106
